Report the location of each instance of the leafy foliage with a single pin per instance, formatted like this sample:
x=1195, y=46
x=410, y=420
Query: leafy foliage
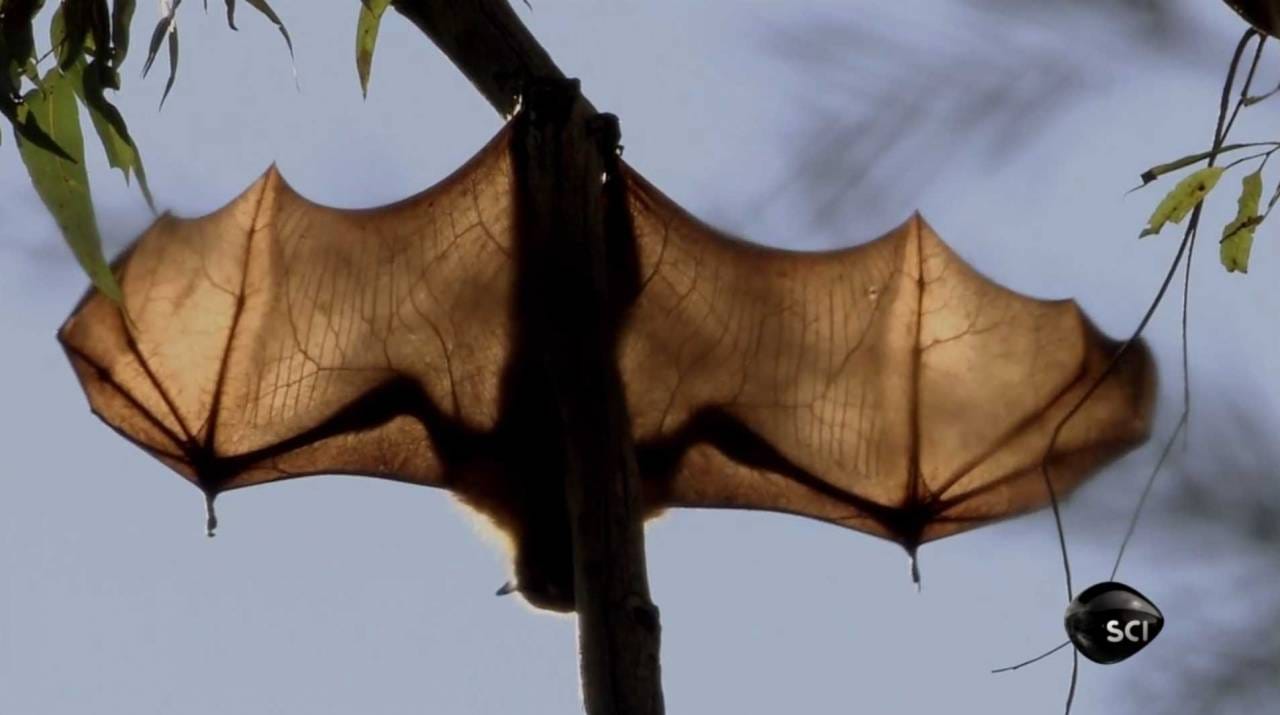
x=89, y=40
x=1237, y=236
x=60, y=179
x=1236, y=244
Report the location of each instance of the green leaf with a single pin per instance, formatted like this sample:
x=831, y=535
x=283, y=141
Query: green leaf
x=367, y=38
x=64, y=185
x=110, y=126
x=165, y=28
x=99, y=27
x=26, y=126
x=17, y=42
x=1237, y=236
x=121, y=18
x=173, y=64
x=17, y=57
x=262, y=7
x=1185, y=196
x=69, y=31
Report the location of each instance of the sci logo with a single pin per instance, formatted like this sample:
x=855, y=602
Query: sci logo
x=1110, y=621
x=1115, y=634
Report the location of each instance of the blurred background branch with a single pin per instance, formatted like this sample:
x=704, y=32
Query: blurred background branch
x=897, y=107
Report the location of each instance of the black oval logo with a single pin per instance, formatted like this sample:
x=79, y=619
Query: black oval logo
x=1110, y=621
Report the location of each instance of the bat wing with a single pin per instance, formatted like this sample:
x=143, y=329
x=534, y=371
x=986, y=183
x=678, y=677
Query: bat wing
x=277, y=338
x=888, y=387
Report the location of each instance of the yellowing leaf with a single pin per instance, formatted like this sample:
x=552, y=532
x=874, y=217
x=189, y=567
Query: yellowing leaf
x=63, y=185
x=1234, y=251
x=1185, y=196
x=1237, y=236
x=367, y=38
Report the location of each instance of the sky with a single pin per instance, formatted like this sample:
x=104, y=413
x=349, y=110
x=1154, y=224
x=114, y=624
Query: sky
x=340, y=595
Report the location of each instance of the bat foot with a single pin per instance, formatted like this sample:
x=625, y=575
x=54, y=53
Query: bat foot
x=915, y=568
x=210, y=516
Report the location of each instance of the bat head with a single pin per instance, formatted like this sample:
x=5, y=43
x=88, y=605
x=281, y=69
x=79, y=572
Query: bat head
x=544, y=576
x=540, y=593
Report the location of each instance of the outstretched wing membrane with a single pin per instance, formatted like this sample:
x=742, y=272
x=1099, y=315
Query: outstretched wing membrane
x=887, y=387
x=276, y=337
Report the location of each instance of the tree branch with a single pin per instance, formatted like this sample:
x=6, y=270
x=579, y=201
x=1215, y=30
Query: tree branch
x=487, y=42
x=580, y=270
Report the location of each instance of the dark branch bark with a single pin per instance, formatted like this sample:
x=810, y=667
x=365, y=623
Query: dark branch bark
x=562, y=149
x=582, y=247
x=487, y=42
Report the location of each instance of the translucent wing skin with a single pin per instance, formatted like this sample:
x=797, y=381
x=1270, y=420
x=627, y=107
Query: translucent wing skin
x=888, y=387
x=277, y=338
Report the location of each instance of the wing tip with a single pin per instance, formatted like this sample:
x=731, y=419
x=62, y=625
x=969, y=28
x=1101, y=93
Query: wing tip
x=1135, y=372
x=1139, y=366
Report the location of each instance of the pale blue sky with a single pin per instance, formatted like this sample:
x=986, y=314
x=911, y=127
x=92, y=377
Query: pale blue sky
x=343, y=595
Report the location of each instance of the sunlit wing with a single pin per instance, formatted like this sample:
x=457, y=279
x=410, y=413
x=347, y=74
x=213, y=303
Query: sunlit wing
x=888, y=387
x=276, y=337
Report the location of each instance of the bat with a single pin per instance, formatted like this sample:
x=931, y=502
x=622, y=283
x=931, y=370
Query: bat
x=887, y=388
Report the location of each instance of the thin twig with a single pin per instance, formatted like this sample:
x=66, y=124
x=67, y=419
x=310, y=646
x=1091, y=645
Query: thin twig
x=1038, y=658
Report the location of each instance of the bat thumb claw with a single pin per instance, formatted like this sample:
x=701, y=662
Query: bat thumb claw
x=506, y=589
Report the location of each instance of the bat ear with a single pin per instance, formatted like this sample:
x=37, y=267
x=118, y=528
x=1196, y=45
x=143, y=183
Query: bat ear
x=506, y=589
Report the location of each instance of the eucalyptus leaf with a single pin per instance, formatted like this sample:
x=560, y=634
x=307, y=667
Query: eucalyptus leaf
x=17, y=56
x=122, y=153
x=1186, y=195
x=17, y=43
x=1235, y=249
x=99, y=18
x=69, y=31
x=62, y=184
x=166, y=28
x=262, y=7
x=26, y=126
x=1237, y=236
x=173, y=64
x=121, y=18
x=367, y=38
